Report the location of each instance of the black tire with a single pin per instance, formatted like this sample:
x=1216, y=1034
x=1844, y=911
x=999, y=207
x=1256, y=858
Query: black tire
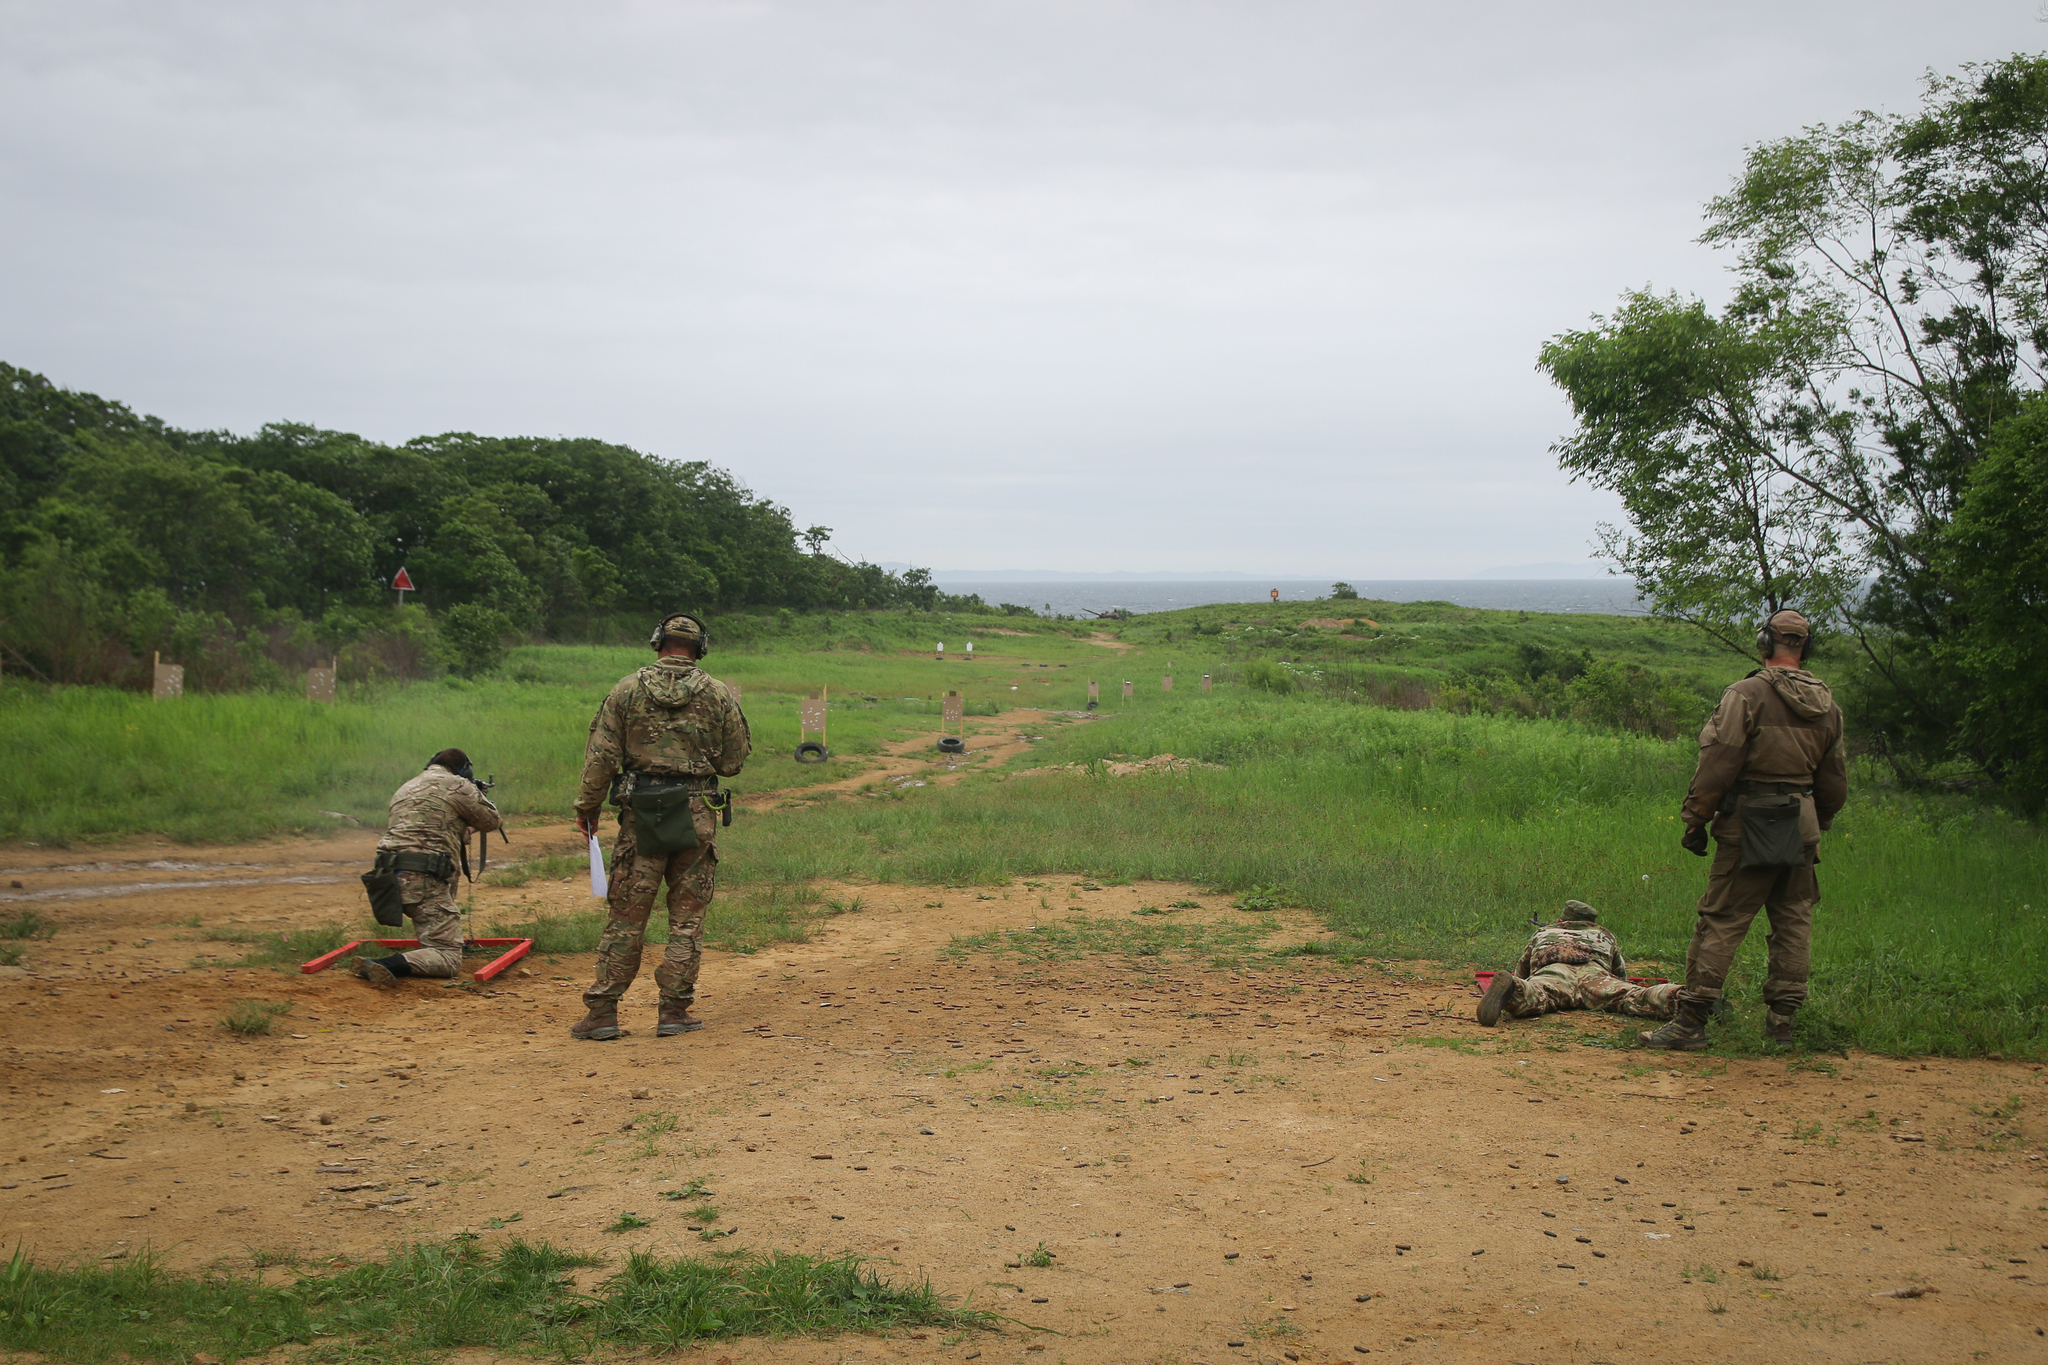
x=952, y=744
x=810, y=751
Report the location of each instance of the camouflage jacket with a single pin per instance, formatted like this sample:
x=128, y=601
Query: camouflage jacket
x=1573, y=944
x=1778, y=725
x=434, y=812
x=670, y=719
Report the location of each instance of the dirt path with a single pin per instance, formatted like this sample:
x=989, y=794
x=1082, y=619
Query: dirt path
x=914, y=1086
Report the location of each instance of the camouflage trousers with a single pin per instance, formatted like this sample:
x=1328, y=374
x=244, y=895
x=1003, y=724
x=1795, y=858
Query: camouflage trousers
x=1734, y=896
x=1584, y=986
x=692, y=877
x=436, y=923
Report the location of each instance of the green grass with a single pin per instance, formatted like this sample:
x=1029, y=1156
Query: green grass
x=742, y=919
x=252, y=1018
x=92, y=763
x=26, y=924
x=1410, y=833
x=289, y=947
x=1430, y=834
x=432, y=1298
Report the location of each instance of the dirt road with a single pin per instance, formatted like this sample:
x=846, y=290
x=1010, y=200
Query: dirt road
x=930, y=1082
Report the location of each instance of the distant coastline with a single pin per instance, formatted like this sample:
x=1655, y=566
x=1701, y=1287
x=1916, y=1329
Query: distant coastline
x=1082, y=596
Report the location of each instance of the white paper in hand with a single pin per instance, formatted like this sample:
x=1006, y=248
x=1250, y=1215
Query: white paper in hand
x=600, y=885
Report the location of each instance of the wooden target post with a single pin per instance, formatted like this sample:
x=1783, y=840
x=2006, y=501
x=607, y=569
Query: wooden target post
x=1166, y=683
x=953, y=715
x=1094, y=695
x=167, y=680
x=1127, y=689
x=1205, y=682
x=939, y=651
x=320, y=682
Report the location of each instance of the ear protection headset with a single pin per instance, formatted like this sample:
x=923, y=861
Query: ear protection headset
x=681, y=627
x=1768, y=639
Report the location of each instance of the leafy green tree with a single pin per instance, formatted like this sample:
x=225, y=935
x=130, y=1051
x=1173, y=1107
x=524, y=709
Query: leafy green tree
x=1821, y=431
x=1996, y=553
x=1696, y=421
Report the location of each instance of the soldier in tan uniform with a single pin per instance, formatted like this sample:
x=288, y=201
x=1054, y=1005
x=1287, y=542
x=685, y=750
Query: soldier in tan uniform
x=430, y=818
x=1771, y=777
x=1573, y=964
x=659, y=744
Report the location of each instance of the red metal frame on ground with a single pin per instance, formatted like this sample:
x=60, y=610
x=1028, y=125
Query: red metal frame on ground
x=518, y=948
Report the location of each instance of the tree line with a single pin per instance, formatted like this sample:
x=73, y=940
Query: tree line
x=1861, y=432
x=247, y=556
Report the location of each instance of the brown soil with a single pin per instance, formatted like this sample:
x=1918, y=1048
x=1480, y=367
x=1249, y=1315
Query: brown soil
x=1529, y=1198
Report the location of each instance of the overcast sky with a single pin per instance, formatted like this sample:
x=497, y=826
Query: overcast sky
x=1084, y=286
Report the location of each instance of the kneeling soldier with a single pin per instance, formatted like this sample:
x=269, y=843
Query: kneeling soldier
x=1573, y=964
x=415, y=872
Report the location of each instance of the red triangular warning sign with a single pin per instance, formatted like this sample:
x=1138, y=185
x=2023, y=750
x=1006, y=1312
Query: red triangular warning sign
x=403, y=582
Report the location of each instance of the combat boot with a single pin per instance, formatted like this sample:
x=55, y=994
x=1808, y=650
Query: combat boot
x=600, y=1025
x=1503, y=993
x=371, y=970
x=1777, y=1027
x=1687, y=1032
x=676, y=1018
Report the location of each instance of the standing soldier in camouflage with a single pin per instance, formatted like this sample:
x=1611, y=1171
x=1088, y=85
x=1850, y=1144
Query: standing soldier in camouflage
x=431, y=817
x=660, y=743
x=1573, y=964
x=1771, y=777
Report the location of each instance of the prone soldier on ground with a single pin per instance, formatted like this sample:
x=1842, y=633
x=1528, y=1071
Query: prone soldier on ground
x=659, y=744
x=1573, y=964
x=423, y=844
x=1771, y=778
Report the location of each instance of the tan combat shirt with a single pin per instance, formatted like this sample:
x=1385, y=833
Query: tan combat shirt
x=429, y=813
x=1572, y=943
x=671, y=719
x=1776, y=725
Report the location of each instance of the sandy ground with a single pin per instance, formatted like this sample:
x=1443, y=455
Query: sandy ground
x=1521, y=1196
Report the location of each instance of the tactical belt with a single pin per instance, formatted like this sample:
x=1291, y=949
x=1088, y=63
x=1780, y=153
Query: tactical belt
x=433, y=864
x=688, y=781
x=1772, y=788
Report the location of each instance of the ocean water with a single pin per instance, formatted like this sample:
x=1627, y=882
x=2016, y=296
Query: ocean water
x=1080, y=597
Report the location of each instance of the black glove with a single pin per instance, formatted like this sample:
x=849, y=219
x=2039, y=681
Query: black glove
x=1694, y=841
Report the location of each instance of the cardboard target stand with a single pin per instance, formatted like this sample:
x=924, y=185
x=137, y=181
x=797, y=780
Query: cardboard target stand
x=810, y=720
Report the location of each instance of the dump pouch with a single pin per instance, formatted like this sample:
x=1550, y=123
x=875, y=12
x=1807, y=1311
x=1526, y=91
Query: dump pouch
x=1770, y=832
x=662, y=820
x=385, y=901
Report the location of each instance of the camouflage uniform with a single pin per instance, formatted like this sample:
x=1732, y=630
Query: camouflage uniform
x=669, y=720
x=1578, y=966
x=429, y=815
x=1777, y=731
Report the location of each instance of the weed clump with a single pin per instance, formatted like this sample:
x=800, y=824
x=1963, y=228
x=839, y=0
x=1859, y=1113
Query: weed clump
x=252, y=1018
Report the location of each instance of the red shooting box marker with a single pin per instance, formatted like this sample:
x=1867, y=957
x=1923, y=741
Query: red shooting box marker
x=403, y=582
x=517, y=948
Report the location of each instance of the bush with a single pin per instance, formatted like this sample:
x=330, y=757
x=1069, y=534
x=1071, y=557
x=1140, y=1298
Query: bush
x=475, y=637
x=1268, y=676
